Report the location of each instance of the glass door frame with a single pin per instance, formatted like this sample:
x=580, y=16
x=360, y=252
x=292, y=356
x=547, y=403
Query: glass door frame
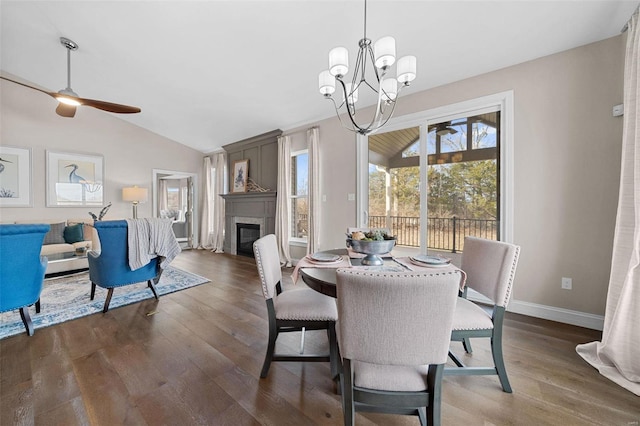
x=502, y=101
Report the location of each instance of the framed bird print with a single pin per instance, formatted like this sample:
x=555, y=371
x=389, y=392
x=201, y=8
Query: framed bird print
x=240, y=175
x=15, y=177
x=74, y=180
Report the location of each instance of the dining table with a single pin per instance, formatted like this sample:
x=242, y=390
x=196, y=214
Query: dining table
x=322, y=278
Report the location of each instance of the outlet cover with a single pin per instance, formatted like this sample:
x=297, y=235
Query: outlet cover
x=567, y=283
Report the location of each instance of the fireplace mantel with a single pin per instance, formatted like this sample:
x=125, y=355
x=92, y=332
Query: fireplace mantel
x=248, y=207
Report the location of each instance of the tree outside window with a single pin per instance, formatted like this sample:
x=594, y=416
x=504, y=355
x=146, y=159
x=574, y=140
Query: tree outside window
x=300, y=195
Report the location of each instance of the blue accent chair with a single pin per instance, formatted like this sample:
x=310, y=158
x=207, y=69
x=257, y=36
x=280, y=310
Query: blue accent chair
x=22, y=269
x=110, y=267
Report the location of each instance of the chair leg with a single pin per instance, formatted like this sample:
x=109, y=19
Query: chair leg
x=434, y=385
x=466, y=343
x=38, y=306
x=107, y=301
x=93, y=290
x=334, y=356
x=153, y=288
x=348, y=404
x=498, y=360
x=271, y=347
x=302, y=341
x=422, y=415
x=26, y=320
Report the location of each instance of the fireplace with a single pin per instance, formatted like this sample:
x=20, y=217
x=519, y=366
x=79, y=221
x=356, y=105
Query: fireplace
x=250, y=208
x=246, y=235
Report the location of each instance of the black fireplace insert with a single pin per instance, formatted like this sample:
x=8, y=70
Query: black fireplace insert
x=247, y=234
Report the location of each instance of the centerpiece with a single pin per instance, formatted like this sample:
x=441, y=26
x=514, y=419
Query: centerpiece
x=372, y=243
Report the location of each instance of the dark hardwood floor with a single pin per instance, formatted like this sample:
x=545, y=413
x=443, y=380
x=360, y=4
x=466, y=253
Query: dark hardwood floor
x=194, y=357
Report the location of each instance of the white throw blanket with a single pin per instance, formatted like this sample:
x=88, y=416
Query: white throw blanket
x=149, y=238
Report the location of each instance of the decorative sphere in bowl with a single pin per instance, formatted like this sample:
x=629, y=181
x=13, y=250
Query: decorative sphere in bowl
x=372, y=249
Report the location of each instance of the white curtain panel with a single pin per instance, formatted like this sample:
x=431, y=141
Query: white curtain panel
x=162, y=189
x=617, y=356
x=206, y=221
x=313, y=139
x=283, y=199
x=219, y=188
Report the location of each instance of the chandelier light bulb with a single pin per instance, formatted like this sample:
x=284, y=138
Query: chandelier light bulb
x=385, y=52
x=326, y=83
x=406, y=69
x=338, y=61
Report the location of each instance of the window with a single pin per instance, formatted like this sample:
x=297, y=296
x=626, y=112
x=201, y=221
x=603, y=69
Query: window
x=441, y=170
x=299, y=195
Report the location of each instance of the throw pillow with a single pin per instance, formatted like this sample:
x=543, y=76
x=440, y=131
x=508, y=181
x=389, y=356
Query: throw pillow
x=55, y=234
x=74, y=233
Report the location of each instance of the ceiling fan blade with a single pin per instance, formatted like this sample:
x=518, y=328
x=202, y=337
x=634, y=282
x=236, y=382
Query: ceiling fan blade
x=65, y=110
x=109, y=106
x=26, y=85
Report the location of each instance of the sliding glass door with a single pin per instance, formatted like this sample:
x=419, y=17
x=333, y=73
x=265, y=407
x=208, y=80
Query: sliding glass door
x=434, y=180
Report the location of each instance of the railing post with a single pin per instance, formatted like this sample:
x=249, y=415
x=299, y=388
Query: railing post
x=454, y=235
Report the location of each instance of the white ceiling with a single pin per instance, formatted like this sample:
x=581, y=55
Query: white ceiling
x=208, y=73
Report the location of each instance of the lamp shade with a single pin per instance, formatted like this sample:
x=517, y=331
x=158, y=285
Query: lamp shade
x=326, y=83
x=338, y=61
x=135, y=194
x=385, y=52
x=389, y=89
x=406, y=69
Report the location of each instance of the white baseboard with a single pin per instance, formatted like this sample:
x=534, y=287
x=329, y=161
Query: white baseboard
x=567, y=316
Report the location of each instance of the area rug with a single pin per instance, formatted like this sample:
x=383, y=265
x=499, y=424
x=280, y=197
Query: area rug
x=66, y=298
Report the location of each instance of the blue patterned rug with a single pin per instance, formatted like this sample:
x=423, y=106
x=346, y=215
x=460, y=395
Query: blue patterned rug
x=66, y=298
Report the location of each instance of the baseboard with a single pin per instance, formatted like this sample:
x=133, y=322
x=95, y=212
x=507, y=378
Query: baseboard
x=567, y=316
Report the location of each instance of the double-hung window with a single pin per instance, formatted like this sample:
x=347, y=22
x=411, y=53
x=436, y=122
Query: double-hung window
x=299, y=196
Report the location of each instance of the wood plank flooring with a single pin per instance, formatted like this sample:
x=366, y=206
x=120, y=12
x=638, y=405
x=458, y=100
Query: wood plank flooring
x=197, y=360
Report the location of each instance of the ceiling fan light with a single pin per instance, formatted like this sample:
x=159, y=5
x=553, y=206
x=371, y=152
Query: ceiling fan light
x=385, y=52
x=67, y=101
x=406, y=69
x=339, y=61
x=326, y=83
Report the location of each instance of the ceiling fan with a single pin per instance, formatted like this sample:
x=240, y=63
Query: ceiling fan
x=69, y=100
x=443, y=129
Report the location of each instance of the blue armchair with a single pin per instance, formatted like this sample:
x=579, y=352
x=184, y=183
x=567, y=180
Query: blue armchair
x=22, y=269
x=110, y=267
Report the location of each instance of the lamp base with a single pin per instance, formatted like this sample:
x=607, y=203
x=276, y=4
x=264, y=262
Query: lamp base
x=135, y=210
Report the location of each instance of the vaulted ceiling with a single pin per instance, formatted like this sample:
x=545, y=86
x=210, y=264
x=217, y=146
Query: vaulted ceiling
x=208, y=73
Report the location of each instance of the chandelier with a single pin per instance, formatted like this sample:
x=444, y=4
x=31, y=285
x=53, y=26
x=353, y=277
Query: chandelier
x=382, y=56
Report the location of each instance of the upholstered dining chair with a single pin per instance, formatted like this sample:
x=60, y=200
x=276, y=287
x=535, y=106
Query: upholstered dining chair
x=22, y=269
x=393, y=333
x=292, y=309
x=490, y=267
x=109, y=268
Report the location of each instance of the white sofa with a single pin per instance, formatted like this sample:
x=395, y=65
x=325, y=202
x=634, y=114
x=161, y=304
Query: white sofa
x=55, y=243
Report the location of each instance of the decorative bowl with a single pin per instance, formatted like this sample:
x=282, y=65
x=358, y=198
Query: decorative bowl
x=372, y=249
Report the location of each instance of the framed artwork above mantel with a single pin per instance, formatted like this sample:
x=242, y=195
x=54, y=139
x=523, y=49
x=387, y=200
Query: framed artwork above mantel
x=240, y=175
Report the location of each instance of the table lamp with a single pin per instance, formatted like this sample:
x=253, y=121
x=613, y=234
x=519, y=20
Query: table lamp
x=136, y=195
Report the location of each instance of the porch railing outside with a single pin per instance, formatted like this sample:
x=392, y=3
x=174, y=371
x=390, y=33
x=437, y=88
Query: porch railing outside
x=442, y=233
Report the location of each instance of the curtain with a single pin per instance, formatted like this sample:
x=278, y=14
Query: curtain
x=206, y=217
x=313, y=136
x=212, y=222
x=162, y=190
x=617, y=355
x=219, y=188
x=283, y=199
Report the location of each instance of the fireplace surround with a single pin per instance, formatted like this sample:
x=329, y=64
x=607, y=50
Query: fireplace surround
x=250, y=208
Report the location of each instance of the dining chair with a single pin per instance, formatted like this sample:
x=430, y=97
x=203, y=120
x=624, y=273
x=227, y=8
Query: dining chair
x=292, y=309
x=490, y=267
x=22, y=269
x=393, y=335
